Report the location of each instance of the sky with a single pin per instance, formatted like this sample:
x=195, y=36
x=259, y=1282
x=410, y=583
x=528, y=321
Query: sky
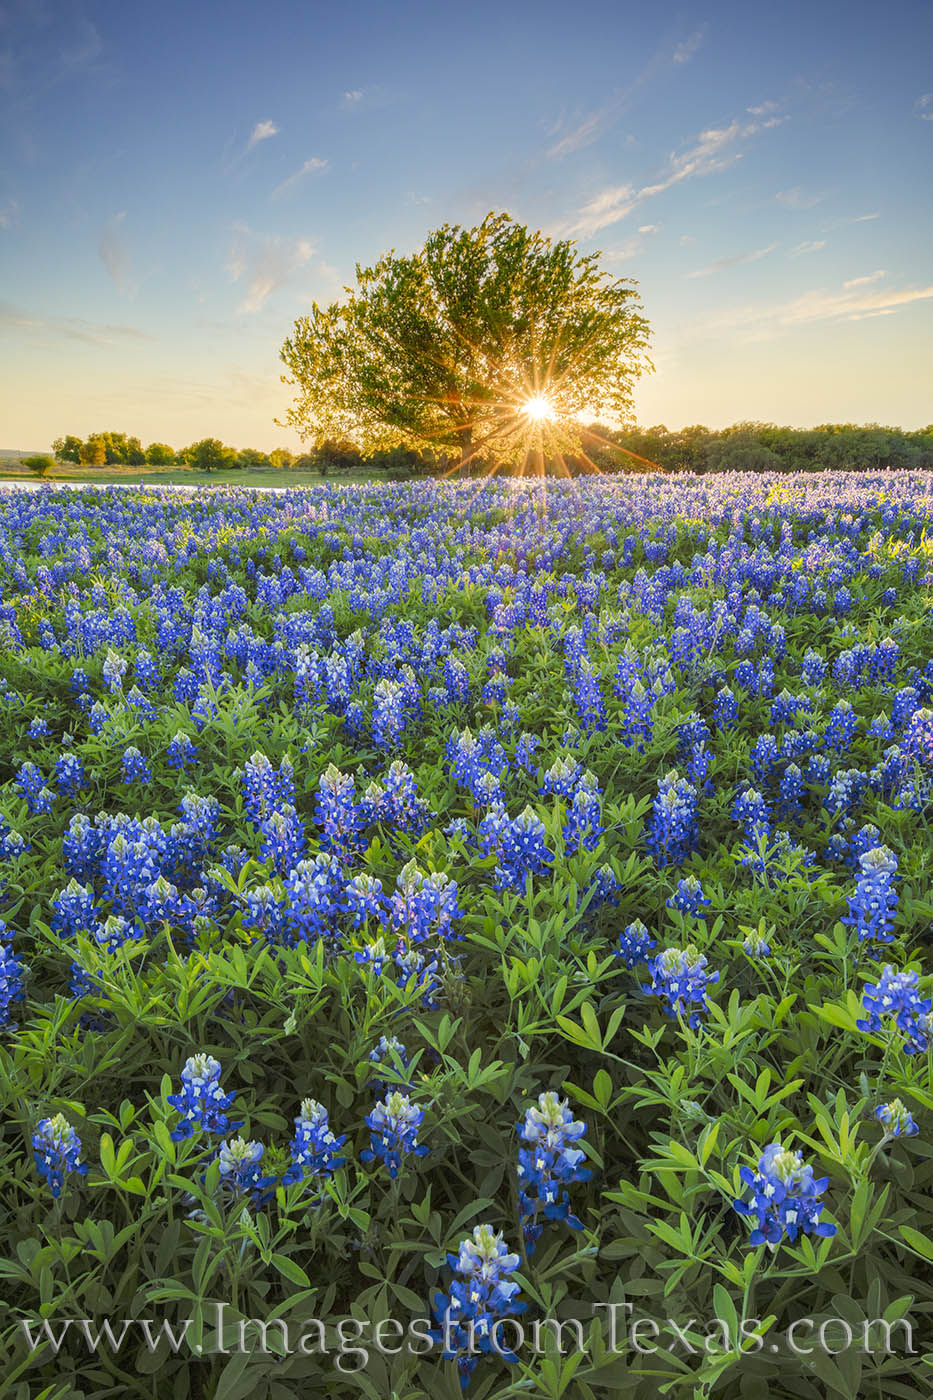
x=179, y=182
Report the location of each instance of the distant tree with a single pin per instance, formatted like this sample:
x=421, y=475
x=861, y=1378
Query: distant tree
x=281, y=457
x=248, y=457
x=159, y=454
x=67, y=449
x=209, y=455
x=94, y=451
x=135, y=456
x=41, y=463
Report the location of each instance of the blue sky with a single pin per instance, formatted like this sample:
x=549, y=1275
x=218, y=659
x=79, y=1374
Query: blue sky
x=179, y=182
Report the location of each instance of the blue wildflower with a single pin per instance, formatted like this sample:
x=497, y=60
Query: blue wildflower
x=477, y=1301
x=57, y=1151
x=393, y=1126
x=314, y=1147
x=202, y=1102
x=548, y=1165
x=784, y=1198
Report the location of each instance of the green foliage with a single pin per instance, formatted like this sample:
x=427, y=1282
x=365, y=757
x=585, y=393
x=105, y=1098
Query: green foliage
x=443, y=348
x=41, y=463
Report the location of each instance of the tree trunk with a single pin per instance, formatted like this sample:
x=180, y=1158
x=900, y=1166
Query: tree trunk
x=466, y=445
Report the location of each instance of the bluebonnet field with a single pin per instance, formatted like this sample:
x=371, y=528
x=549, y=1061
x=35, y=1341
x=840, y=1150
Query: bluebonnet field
x=468, y=903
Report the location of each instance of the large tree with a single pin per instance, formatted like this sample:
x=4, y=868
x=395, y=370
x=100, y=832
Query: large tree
x=492, y=342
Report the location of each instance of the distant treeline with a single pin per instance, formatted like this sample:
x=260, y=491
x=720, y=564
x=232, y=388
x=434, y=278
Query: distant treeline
x=763, y=447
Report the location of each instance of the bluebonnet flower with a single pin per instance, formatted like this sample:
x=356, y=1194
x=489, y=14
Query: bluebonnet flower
x=38, y=728
x=388, y=713
x=283, y=839
x=70, y=775
x=337, y=812
x=841, y=727
x=31, y=784
x=114, y=669
x=135, y=766
x=587, y=696
x=422, y=905
x=896, y=997
x=874, y=904
x=525, y=751
x=751, y=809
x=314, y=1147
x=11, y=975
x=637, y=718
x=74, y=910
x=394, y=1125
x=202, y=1103
x=790, y=793
x=181, y=751
x=12, y=845
x=756, y=945
x=548, y=1165
x=584, y=821
x=382, y=1055
x=266, y=789
x=57, y=1151
x=725, y=710
x=897, y=1120
x=673, y=833
x=477, y=1301
x=689, y=897
x=363, y=899
x=521, y=847
x=917, y=741
x=785, y=1198
x=241, y=1173
x=679, y=978
x=635, y=944
x=603, y=889
x=562, y=777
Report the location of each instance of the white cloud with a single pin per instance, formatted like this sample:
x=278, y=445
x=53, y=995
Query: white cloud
x=261, y=132
x=309, y=168
x=924, y=107
x=583, y=133
x=710, y=153
x=686, y=238
x=115, y=255
x=866, y=281
x=764, y=109
x=265, y=262
x=798, y=198
x=72, y=327
x=685, y=51
x=812, y=307
x=649, y=228
x=352, y=97
x=734, y=261
x=810, y=246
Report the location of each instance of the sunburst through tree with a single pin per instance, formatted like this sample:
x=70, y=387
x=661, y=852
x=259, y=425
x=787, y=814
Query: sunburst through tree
x=487, y=347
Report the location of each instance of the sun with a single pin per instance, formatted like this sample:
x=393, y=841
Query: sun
x=538, y=409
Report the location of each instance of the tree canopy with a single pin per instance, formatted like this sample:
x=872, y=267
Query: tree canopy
x=491, y=341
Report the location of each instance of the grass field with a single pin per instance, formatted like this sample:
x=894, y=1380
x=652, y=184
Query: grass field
x=185, y=476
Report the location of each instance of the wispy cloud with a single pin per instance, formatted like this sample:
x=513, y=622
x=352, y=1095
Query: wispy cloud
x=114, y=254
x=14, y=318
x=923, y=107
x=8, y=214
x=686, y=238
x=580, y=135
x=810, y=246
x=764, y=109
x=734, y=261
x=649, y=228
x=685, y=51
x=352, y=97
x=261, y=132
x=710, y=152
x=289, y=186
x=264, y=262
x=799, y=198
x=850, y=303
x=851, y=219
x=866, y=281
